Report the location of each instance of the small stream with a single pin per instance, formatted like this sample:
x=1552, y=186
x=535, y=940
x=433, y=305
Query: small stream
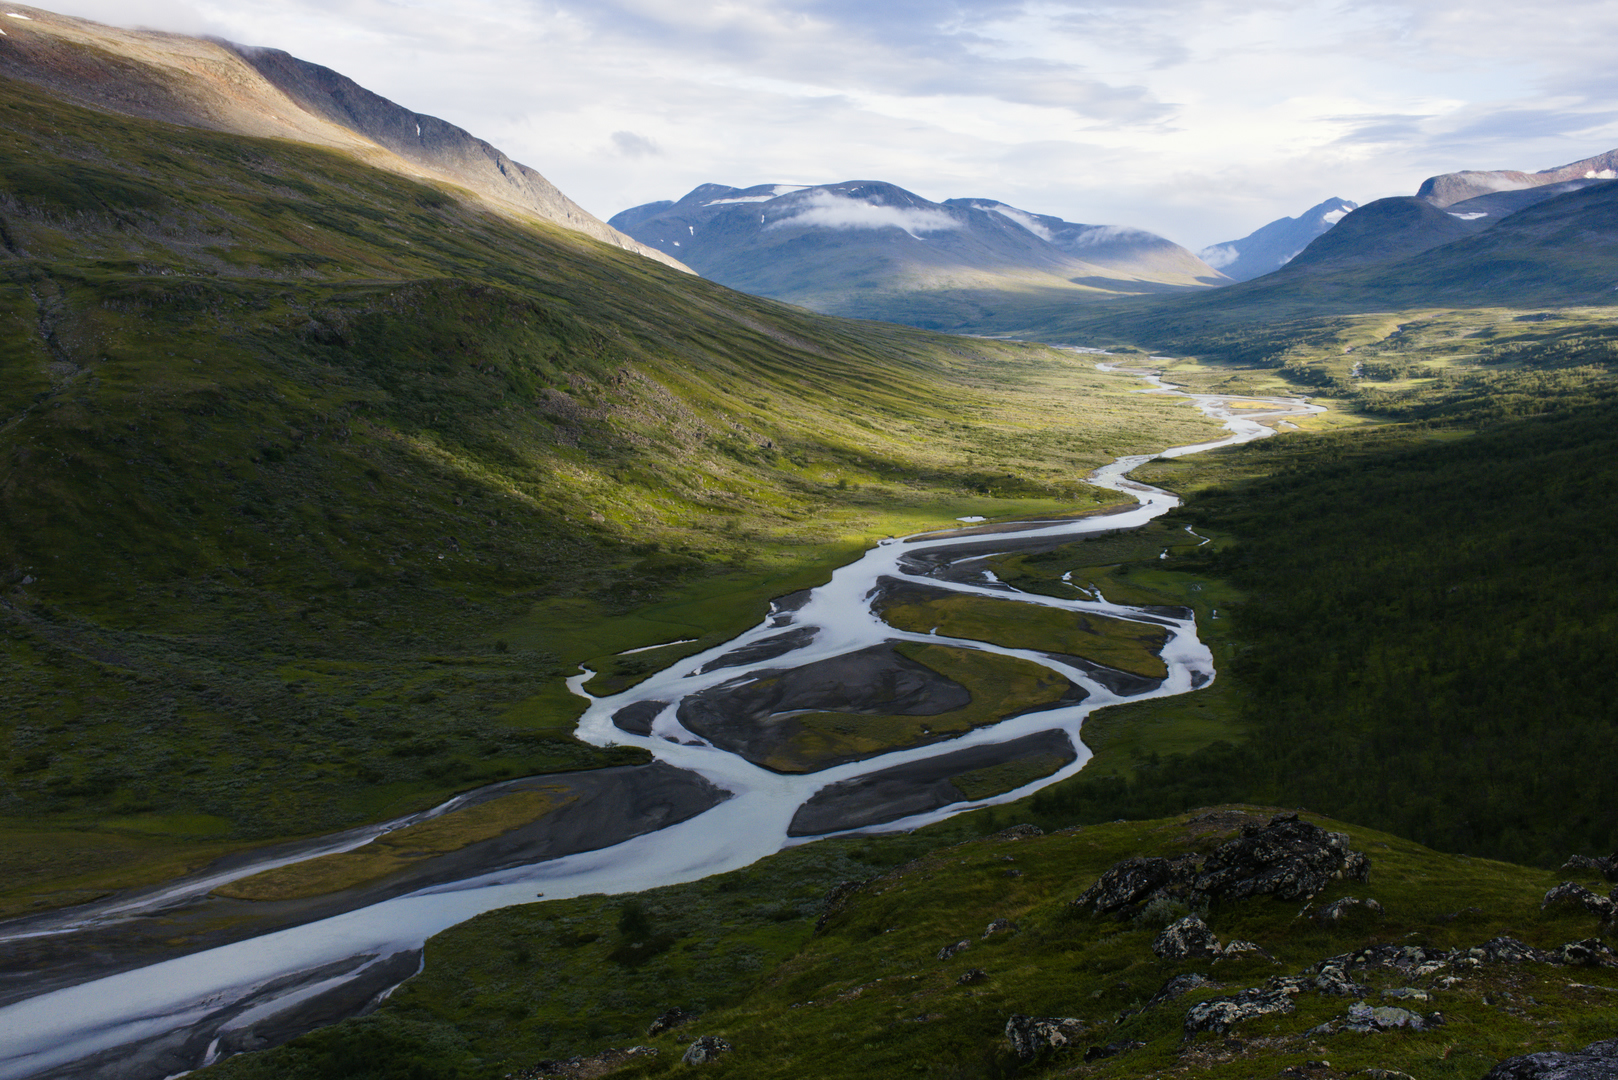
x=162, y=1019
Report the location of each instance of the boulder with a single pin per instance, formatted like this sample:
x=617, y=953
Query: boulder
x=1330, y=978
x=972, y=976
x=1221, y=1014
x=1591, y=952
x=705, y=1049
x=1000, y=926
x=1030, y=1035
x=1179, y=986
x=1286, y=858
x=1571, y=892
x=1236, y=948
x=1183, y=940
x=1127, y=885
x=1338, y=910
x=950, y=950
x=1605, y=865
x=1598, y=1061
x=668, y=1020
x=1366, y=1018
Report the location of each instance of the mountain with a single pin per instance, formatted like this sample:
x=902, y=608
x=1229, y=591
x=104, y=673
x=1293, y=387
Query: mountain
x=874, y=250
x=1449, y=188
x=266, y=93
x=1276, y=244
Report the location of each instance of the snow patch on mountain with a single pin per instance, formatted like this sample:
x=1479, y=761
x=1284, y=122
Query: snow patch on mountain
x=833, y=212
x=775, y=193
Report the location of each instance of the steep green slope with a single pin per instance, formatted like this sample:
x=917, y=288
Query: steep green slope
x=314, y=481
x=803, y=981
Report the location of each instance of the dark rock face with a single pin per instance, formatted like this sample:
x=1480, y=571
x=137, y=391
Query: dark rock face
x=1190, y=937
x=704, y=1049
x=1127, y=886
x=1598, y=1061
x=1571, y=892
x=1179, y=986
x=1221, y=1014
x=1288, y=859
x=1112, y=1049
x=668, y=1020
x=1605, y=865
x=1030, y=1035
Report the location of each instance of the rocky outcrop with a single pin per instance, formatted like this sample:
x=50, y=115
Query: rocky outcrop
x=949, y=951
x=1032, y=1035
x=1605, y=865
x=972, y=976
x=1285, y=858
x=1179, y=986
x=1127, y=886
x=1598, y=1061
x=705, y=1049
x=1219, y=1015
x=1571, y=892
x=836, y=899
x=1000, y=926
x=586, y=1067
x=1112, y=1049
x=1187, y=938
x=1364, y=1019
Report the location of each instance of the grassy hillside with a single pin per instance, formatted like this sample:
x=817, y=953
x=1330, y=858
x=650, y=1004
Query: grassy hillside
x=802, y=988
x=314, y=481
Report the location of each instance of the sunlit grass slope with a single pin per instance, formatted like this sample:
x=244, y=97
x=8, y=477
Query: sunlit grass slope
x=314, y=481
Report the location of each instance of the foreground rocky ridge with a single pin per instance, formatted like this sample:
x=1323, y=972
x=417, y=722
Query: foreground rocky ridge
x=1231, y=942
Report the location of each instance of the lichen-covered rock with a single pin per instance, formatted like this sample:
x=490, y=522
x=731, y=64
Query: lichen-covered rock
x=1571, y=892
x=1338, y=910
x=1030, y=1035
x=1605, y=865
x=972, y=976
x=1236, y=948
x=1507, y=950
x=1221, y=1014
x=1183, y=940
x=1127, y=885
x=668, y=1020
x=1591, y=952
x=704, y=1049
x=1287, y=858
x=950, y=950
x=1598, y=1061
x=1332, y=979
x=1367, y=1018
x=1000, y=926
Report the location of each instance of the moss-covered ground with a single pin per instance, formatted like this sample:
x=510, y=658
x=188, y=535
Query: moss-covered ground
x=867, y=992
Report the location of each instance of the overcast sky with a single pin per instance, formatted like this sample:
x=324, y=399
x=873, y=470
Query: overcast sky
x=1197, y=119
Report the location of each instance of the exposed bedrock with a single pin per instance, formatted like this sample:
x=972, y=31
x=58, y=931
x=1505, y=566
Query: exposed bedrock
x=917, y=786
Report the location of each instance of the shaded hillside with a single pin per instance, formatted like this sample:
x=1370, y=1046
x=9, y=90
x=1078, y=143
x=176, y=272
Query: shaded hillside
x=315, y=480
x=1274, y=245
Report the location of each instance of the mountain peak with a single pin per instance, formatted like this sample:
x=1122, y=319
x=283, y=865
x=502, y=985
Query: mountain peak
x=1449, y=188
x=1274, y=245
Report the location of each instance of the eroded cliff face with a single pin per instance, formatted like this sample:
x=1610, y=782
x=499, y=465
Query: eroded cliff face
x=267, y=93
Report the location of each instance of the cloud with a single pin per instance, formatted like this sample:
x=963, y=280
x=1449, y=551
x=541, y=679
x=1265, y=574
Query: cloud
x=834, y=212
x=632, y=145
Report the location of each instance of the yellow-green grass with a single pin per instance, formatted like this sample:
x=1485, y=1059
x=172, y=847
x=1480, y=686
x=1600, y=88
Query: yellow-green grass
x=1000, y=686
x=397, y=850
x=1117, y=643
x=1009, y=776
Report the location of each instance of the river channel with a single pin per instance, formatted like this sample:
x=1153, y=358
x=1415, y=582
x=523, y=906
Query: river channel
x=160, y=1019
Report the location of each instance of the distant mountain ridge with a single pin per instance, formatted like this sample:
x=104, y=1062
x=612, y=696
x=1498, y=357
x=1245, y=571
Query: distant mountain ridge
x=1276, y=244
x=871, y=249
x=220, y=86
x=1447, y=189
